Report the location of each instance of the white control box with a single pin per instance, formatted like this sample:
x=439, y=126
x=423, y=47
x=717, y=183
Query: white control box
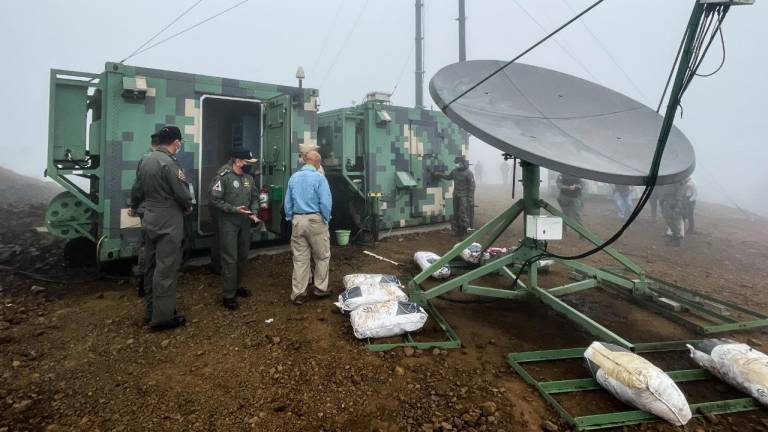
x=544, y=227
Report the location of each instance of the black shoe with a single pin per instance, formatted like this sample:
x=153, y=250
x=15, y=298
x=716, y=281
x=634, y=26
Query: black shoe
x=230, y=303
x=300, y=299
x=243, y=292
x=317, y=292
x=172, y=323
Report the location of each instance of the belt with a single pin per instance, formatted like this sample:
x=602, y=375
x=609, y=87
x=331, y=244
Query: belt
x=304, y=214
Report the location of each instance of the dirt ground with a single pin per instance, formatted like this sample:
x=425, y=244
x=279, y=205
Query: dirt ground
x=78, y=357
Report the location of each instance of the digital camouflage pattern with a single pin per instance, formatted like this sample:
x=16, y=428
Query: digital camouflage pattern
x=127, y=104
x=376, y=148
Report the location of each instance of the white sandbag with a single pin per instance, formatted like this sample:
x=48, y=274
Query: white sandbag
x=637, y=382
x=387, y=319
x=369, y=293
x=425, y=259
x=736, y=363
x=357, y=279
x=472, y=253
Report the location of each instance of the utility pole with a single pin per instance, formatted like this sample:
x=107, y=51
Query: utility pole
x=419, y=54
x=462, y=31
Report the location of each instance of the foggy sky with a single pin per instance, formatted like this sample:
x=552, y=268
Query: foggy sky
x=267, y=40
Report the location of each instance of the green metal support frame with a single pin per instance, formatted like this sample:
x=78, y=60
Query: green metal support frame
x=548, y=389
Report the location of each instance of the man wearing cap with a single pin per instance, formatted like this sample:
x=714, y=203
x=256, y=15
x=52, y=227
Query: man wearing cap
x=463, y=195
x=235, y=197
x=308, y=207
x=163, y=192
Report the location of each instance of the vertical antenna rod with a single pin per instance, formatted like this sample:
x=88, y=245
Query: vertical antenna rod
x=462, y=31
x=419, y=54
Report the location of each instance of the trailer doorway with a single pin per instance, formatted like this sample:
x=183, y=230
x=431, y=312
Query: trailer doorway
x=227, y=124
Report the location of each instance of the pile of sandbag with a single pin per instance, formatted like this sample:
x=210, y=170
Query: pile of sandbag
x=365, y=289
x=425, y=259
x=637, y=382
x=387, y=319
x=472, y=253
x=736, y=363
x=378, y=306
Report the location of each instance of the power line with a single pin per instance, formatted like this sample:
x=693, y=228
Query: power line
x=187, y=29
x=328, y=34
x=562, y=47
x=402, y=71
x=344, y=44
x=161, y=31
x=608, y=53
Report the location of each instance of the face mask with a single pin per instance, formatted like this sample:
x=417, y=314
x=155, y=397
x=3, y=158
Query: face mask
x=247, y=169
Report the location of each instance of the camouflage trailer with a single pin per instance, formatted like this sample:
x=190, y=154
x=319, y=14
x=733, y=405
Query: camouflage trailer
x=100, y=126
x=381, y=159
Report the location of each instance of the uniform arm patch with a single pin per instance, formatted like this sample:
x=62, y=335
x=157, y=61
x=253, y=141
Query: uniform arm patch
x=217, y=186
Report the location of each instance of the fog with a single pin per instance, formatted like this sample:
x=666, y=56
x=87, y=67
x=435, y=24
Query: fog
x=348, y=48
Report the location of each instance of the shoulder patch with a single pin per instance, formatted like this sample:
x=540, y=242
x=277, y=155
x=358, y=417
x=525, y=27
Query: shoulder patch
x=217, y=187
x=180, y=175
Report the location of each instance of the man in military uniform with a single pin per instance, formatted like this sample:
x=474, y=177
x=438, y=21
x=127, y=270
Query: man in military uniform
x=163, y=192
x=569, y=198
x=672, y=210
x=235, y=197
x=463, y=195
x=141, y=259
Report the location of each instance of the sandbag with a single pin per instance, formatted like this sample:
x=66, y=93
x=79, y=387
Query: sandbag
x=736, y=363
x=637, y=382
x=425, y=259
x=387, y=319
x=369, y=293
x=472, y=253
x=357, y=279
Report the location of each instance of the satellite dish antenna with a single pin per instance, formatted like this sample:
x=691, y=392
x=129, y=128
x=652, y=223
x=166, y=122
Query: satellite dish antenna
x=561, y=122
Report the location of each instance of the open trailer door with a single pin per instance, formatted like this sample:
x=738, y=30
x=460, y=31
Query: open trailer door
x=275, y=159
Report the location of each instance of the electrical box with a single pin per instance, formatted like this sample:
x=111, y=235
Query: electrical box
x=543, y=227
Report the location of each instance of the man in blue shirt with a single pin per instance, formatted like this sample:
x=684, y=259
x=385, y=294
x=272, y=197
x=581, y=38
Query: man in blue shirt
x=308, y=207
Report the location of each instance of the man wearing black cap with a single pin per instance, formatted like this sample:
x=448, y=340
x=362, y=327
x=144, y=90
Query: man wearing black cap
x=235, y=198
x=463, y=195
x=163, y=192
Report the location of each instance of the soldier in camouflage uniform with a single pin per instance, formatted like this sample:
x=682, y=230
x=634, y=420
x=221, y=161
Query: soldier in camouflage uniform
x=463, y=195
x=569, y=198
x=236, y=200
x=161, y=188
x=672, y=209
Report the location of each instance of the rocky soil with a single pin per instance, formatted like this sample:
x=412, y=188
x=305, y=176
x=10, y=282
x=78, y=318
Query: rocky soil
x=76, y=356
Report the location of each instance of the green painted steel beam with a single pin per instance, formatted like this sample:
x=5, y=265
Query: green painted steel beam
x=508, y=273
x=505, y=217
x=595, y=272
x=467, y=277
x=592, y=238
x=495, y=292
x=582, y=384
x=573, y=287
x=579, y=318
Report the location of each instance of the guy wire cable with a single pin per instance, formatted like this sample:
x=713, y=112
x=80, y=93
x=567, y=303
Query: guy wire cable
x=692, y=66
x=161, y=31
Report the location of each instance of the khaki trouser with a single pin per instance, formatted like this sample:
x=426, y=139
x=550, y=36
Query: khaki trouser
x=309, y=238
